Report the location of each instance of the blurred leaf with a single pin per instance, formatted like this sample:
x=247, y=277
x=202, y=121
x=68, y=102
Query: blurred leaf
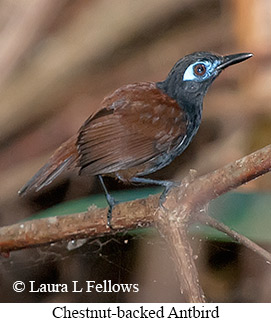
x=246, y=213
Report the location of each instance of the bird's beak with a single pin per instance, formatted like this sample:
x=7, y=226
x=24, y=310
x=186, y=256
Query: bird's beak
x=233, y=59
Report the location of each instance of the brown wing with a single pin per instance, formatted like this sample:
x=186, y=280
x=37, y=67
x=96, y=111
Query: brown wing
x=135, y=124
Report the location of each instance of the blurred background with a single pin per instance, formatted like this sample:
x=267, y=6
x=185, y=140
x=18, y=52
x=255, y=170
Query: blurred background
x=58, y=60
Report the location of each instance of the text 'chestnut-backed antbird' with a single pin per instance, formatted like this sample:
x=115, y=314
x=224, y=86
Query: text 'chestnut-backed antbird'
x=140, y=127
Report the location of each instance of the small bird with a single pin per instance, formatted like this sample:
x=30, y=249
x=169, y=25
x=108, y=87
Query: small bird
x=140, y=128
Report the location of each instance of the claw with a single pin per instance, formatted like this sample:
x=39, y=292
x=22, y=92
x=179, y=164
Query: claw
x=111, y=203
x=168, y=186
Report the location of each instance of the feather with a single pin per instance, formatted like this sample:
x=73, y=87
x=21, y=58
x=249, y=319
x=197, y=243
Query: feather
x=64, y=158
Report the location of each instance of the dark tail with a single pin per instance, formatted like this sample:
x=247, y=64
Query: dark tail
x=64, y=158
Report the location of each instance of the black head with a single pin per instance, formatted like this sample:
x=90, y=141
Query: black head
x=191, y=76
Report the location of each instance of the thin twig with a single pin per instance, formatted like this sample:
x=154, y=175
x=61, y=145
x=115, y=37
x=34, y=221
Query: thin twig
x=207, y=220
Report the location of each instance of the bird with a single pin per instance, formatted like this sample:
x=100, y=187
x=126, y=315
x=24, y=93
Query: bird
x=139, y=128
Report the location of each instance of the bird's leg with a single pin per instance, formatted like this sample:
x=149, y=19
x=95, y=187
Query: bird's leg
x=110, y=200
x=167, y=186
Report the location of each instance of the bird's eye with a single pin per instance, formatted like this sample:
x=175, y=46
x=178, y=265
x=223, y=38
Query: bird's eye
x=199, y=69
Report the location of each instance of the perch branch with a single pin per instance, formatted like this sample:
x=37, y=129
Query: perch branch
x=182, y=206
x=138, y=213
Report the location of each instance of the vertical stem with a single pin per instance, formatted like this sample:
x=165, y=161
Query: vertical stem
x=175, y=233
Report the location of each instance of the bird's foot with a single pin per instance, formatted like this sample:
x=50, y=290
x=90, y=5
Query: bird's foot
x=111, y=203
x=168, y=185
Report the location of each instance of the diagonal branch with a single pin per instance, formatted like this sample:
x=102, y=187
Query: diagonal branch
x=211, y=222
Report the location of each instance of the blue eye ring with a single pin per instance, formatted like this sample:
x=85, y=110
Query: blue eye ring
x=199, y=69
